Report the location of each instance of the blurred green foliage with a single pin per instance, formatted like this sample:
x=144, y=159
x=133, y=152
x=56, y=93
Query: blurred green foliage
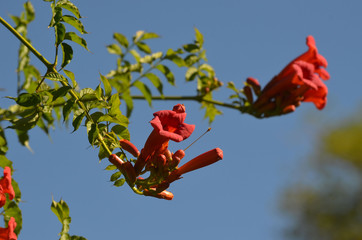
x=327, y=204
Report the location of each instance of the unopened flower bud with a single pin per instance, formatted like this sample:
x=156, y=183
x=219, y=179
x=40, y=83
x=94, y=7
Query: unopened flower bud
x=115, y=160
x=129, y=147
x=162, y=195
x=202, y=160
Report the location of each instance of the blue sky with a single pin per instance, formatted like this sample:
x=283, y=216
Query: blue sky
x=236, y=198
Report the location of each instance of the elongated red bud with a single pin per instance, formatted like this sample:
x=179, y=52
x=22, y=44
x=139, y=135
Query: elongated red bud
x=248, y=93
x=115, y=160
x=129, y=147
x=162, y=195
x=200, y=161
x=254, y=83
x=129, y=172
x=176, y=158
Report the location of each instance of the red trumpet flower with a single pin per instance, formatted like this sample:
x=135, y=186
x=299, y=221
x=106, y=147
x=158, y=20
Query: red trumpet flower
x=168, y=125
x=8, y=233
x=300, y=81
x=6, y=187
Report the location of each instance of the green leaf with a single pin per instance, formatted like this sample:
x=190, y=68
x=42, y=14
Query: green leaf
x=93, y=133
x=74, y=22
x=168, y=74
x=144, y=90
x=59, y=33
x=4, y=162
x=28, y=99
x=99, y=92
x=143, y=47
x=57, y=16
x=26, y=123
x=155, y=80
x=119, y=182
x=86, y=94
x=73, y=237
x=191, y=48
x=199, y=37
x=102, y=153
x=107, y=86
x=114, y=49
x=110, y=168
x=71, y=76
x=115, y=104
x=77, y=120
x=191, y=73
x=30, y=12
x=121, y=39
x=135, y=54
x=126, y=96
x=68, y=108
x=72, y=36
x=150, y=35
x=115, y=176
x=23, y=138
x=119, y=119
x=121, y=131
x=61, y=92
x=55, y=76
x=172, y=56
x=66, y=4
x=206, y=67
x=67, y=54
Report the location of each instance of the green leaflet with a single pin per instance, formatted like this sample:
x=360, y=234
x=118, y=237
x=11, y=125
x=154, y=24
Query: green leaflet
x=72, y=36
x=74, y=22
x=67, y=54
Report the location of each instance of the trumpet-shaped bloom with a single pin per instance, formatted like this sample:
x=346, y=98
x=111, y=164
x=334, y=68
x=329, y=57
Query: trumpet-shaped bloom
x=167, y=125
x=300, y=81
x=8, y=233
x=6, y=187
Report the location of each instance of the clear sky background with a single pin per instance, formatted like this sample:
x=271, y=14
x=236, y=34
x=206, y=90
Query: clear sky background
x=236, y=198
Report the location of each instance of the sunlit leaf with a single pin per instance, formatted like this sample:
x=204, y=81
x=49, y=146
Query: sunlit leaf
x=191, y=73
x=74, y=22
x=114, y=49
x=110, y=168
x=66, y=4
x=71, y=76
x=168, y=74
x=30, y=12
x=155, y=80
x=54, y=76
x=144, y=90
x=199, y=37
x=107, y=86
x=72, y=36
x=147, y=35
x=121, y=39
x=143, y=47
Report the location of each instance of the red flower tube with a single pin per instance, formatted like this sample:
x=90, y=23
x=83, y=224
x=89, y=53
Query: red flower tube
x=200, y=161
x=8, y=233
x=162, y=195
x=129, y=147
x=6, y=187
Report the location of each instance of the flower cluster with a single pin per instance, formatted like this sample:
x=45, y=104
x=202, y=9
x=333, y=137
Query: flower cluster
x=300, y=81
x=157, y=159
x=6, y=188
